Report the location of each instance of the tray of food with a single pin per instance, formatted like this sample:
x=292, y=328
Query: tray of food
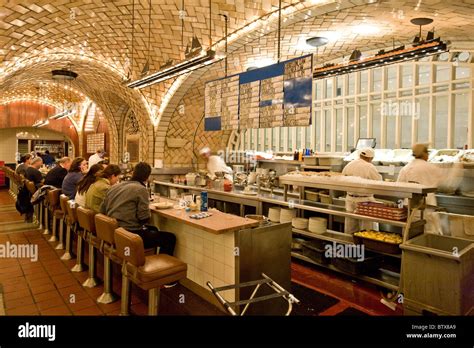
x=379, y=241
x=381, y=210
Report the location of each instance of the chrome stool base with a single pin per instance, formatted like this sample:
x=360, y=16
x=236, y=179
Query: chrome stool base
x=67, y=256
x=107, y=298
x=91, y=283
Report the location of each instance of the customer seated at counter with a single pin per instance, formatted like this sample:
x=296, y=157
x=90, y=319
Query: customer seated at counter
x=362, y=168
x=85, y=183
x=25, y=163
x=33, y=173
x=76, y=172
x=48, y=159
x=56, y=175
x=105, y=179
x=128, y=202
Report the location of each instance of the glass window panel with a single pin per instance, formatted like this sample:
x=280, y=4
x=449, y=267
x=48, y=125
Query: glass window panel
x=252, y=140
x=282, y=137
x=443, y=72
x=317, y=125
x=376, y=80
x=274, y=143
x=363, y=121
x=461, y=119
x=339, y=130
x=350, y=128
x=318, y=90
x=290, y=139
x=406, y=130
x=350, y=101
x=299, y=130
x=391, y=135
x=392, y=78
x=376, y=122
x=407, y=76
x=329, y=88
x=463, y=73
x=441, y=122
x=351, y=86
x=423, y=120
x=462, y=85
x=364, y=78
x=424, y=74
x=260, y=140
x=339, y=86
x=267, y=139
x=308, y=136
x=327, y=127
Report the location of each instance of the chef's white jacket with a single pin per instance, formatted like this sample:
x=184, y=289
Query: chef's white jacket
x=217, y=164
x=424, y=173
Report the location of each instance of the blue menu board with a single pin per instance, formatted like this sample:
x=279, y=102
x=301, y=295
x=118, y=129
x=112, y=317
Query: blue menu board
x=273, y=96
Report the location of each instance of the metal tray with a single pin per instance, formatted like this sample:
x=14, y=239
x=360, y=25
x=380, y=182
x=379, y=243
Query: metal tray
x=376, y=245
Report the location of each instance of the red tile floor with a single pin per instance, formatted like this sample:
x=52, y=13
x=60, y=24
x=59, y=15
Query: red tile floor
x=48, y=287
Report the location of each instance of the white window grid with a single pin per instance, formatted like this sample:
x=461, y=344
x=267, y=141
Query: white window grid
x=349, y=106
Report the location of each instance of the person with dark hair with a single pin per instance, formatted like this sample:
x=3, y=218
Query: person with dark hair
x=76, y=172
x=128, y=202
x=56, y=175
x=25, y=163
x=47, y=158
x=105, y=179
x=85, y=183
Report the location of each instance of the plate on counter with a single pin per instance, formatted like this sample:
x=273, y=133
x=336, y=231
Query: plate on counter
x=249, y=193
x=163, y=205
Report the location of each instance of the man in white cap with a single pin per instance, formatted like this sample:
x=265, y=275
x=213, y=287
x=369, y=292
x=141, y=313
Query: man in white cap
x=215, y=164
x=362, y=168
x=97, y=157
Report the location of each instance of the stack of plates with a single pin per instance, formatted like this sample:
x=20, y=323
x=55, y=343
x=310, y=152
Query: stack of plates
x=287, y=215
x=274, y=214
x=317, y=225
x=300, y=223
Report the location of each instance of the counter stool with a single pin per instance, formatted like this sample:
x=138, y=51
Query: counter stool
x=74, y=221
x=147, y=272
x=44, y=207
x=105, y=228
x=63, y=203
x=30, y=186
x=54, y=209
x=86, y=221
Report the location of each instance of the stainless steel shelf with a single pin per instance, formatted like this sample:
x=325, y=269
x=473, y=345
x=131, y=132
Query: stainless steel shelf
x=318, y=167
x=393, y=284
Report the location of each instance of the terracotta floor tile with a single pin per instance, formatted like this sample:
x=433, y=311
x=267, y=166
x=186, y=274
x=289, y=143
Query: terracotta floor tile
x=60, y=310
x=9, y=288
x=81, y=304
x=111, y=307
x=139, y=309
x=63, y=277
x=58, y=271
x=73, y=293
x=66, y=283
x=89, y=311
x=50, y=303
x=39, y=282
x=46, y=295
x=42, y=288
x=24, y=310
x=115, y=312
x=17, y=294
x=23, y=301
x=95, y=292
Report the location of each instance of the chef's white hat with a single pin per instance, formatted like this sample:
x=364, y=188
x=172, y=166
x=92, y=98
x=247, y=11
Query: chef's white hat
x=205, y=150
x=368, y=152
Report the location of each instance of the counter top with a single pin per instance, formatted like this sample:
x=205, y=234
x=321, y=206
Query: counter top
x=218, y=223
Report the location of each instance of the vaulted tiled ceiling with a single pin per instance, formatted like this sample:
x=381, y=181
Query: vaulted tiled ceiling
x=94, y=37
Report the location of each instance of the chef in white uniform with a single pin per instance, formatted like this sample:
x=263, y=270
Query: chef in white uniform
x=362, y=168
x=421, y=172
x=215, y=164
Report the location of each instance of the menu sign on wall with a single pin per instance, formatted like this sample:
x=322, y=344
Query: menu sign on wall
x=273, y=96
x=95, y=142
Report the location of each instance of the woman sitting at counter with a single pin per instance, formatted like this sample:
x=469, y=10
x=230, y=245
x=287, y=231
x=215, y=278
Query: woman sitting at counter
x=76, y=172
x=96, y=193
x=85, y=183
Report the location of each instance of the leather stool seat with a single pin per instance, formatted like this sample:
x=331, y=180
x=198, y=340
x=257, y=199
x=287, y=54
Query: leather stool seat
x=147, y=272
x=86, y=219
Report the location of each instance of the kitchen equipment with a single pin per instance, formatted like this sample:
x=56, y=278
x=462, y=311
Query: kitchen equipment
x=173, y=193
x=287, y=215
x=252, y=178
x=201, y=180
x=324, y=197
x=381, y=210
x=191, y=179
x=317, y=225
x=237, y=168
x=274, y=214
x=296, y=244
x=355, y=266
x=300, y=223
x=310, y=161
x=219, y=175
x=377, y=245
x=312, y=196
x=262, y=219
x=315, y=251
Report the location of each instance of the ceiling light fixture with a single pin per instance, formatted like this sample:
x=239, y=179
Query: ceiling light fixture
x=366, y=29
x=199, y=61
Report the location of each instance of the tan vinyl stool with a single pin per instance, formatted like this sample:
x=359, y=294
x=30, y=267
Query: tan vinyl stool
x=85, y=217
x=55, y=211
x=147, y=272
x=63, y=203
x=44, y=207
x=105, y=228
x=73, y=221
